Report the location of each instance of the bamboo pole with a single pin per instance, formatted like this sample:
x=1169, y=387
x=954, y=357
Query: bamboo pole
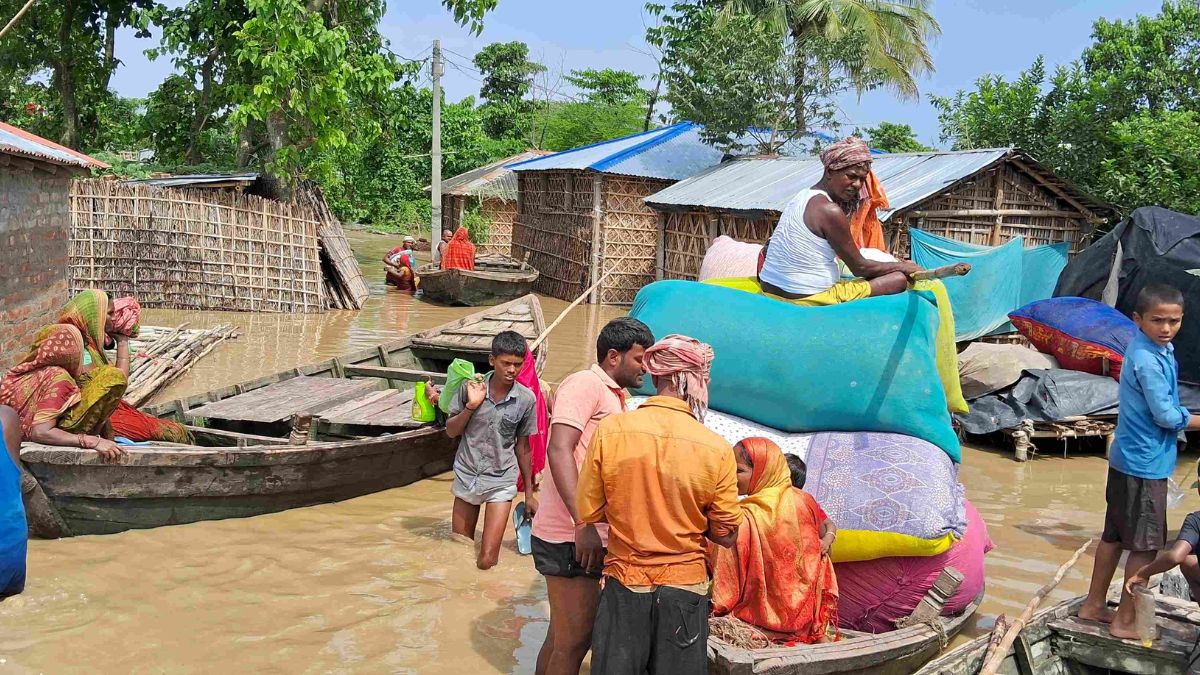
x=992, y=665
x=562, y=315
x=13, y=22
x=955, y=270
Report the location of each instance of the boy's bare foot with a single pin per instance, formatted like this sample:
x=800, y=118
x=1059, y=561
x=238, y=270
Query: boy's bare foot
x=1122, y=631
x=1101, y=614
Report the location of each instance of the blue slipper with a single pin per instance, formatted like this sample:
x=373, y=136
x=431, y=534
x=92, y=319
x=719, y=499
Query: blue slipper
x=524, y=527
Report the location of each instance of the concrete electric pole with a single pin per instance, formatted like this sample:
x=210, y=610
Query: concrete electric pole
x=435, y=154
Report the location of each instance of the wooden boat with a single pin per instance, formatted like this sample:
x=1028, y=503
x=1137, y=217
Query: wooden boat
x=496, y=278
x=1056, y=642
x=899, y=652
x=252, y=455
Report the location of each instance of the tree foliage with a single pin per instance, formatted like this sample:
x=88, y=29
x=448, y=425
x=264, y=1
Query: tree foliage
x=891, y=137
x=1116, y=122
x=507, y=82
x=746, y=83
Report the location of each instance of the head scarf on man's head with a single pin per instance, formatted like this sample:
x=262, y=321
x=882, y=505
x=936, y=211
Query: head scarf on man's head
x=686, y=362
x=846, y=152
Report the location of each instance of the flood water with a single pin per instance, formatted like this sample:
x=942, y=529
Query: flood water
x=377, y=584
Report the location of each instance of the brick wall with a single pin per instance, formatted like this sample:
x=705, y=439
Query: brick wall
x=35, y=225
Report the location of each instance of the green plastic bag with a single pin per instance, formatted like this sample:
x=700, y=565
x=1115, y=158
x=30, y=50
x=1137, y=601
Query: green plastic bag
x=422, y=409
x=458, y=372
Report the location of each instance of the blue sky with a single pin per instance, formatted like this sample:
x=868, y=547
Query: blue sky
x=978, y=36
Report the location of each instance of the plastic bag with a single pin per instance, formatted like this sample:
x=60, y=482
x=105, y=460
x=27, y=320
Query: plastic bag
x=422, y=409
x=459, y=371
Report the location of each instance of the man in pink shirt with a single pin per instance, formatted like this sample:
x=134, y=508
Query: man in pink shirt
x=570, y=554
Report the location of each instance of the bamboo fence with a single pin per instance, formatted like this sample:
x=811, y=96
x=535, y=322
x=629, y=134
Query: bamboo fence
x=499, y=212
x=574, y=239
x=207, y=249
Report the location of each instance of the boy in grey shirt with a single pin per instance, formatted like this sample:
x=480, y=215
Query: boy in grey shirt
x=494, y=419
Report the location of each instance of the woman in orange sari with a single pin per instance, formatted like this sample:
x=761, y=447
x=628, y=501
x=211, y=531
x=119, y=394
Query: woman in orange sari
x=776, y=577
x=460, y=252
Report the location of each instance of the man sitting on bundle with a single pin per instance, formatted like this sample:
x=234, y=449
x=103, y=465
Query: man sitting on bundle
x=814, y=231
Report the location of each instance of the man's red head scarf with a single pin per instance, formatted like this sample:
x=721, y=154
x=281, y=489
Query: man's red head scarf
x=687, y=362
x=846, y=152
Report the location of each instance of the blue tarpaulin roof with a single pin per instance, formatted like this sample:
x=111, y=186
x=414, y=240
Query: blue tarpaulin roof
x=673, y=152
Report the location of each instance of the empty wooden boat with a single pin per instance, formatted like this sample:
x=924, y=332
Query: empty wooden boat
x=898, y=652
x=1056, y=642
x=496, y=278
x=253, y=454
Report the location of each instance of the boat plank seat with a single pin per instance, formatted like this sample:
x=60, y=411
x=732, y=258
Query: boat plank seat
x=1091, y=644
x=399, y=374
x=387, y=408
x=278, y=402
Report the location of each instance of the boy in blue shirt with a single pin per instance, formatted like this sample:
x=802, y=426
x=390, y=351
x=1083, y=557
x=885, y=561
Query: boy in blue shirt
x=1143, y=455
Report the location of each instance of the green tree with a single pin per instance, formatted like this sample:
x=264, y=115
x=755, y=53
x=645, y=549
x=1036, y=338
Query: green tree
x=508, y=79
x=891, y=137
x=74, y=42
x=738, y=77
x=893, y=38
x=1094, y=116
x=608, y=86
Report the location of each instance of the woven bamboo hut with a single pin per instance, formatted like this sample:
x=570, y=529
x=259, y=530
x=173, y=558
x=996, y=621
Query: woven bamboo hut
x=493, y=188
x=581, y=213
x=978, y=196
x=220, y=249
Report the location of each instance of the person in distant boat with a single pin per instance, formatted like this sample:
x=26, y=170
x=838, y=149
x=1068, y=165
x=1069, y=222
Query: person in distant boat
x=401, y=265
x=567, y=551
x=53, y=408
x=800, y=260
x=493, y=418
x=778, y=576
x=460, y=252
x=447, y=235
x=14, y=531
x=664, y=484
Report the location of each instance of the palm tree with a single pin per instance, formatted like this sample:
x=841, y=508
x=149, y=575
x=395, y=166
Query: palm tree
x=895, y=34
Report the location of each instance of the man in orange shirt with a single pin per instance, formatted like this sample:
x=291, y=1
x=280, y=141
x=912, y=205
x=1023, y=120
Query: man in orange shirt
x=567, y=552
x=663, y=483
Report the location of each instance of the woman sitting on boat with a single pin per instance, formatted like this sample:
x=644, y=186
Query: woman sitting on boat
x=460, y=252
x=777, y=578
x=100, y=323
x=401, y=265
x=55, y=409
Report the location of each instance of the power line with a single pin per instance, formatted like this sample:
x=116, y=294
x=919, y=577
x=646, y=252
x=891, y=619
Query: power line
x=534, y=85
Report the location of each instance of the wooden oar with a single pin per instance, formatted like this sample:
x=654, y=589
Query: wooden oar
x=562, y=315
x=992, y=664
x=955, y=270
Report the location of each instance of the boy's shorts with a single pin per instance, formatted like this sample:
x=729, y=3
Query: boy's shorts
x=1137, y=512
x=558, y=560
x=469, y=490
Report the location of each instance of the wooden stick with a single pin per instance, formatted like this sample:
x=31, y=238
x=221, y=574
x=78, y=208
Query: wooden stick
x=955, y=270
x=14, y=20
x=992, y=665
x=562, y=315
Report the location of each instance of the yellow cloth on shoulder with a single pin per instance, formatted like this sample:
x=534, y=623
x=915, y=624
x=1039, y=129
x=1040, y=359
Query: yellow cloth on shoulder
x=946, y=355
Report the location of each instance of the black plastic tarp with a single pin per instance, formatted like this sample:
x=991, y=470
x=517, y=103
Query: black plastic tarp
x=1042, y=396
x=1157, y=246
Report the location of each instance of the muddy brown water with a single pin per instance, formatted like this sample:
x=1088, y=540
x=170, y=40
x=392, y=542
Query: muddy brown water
x=377, y=584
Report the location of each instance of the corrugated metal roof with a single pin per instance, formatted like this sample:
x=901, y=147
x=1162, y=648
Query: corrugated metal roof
x=16, y=141
x=767, y=184
x=673, y=152
x=493, y=180
x=211, y=180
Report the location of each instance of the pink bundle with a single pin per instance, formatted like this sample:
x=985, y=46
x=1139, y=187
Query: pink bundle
x=126, y=313
x=539, y=441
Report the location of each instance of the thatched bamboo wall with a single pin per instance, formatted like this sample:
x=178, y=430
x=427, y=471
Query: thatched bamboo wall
x=195, y=249
x=500, y=214
x=554, y=222
x=967, y=212
x=962, y=214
